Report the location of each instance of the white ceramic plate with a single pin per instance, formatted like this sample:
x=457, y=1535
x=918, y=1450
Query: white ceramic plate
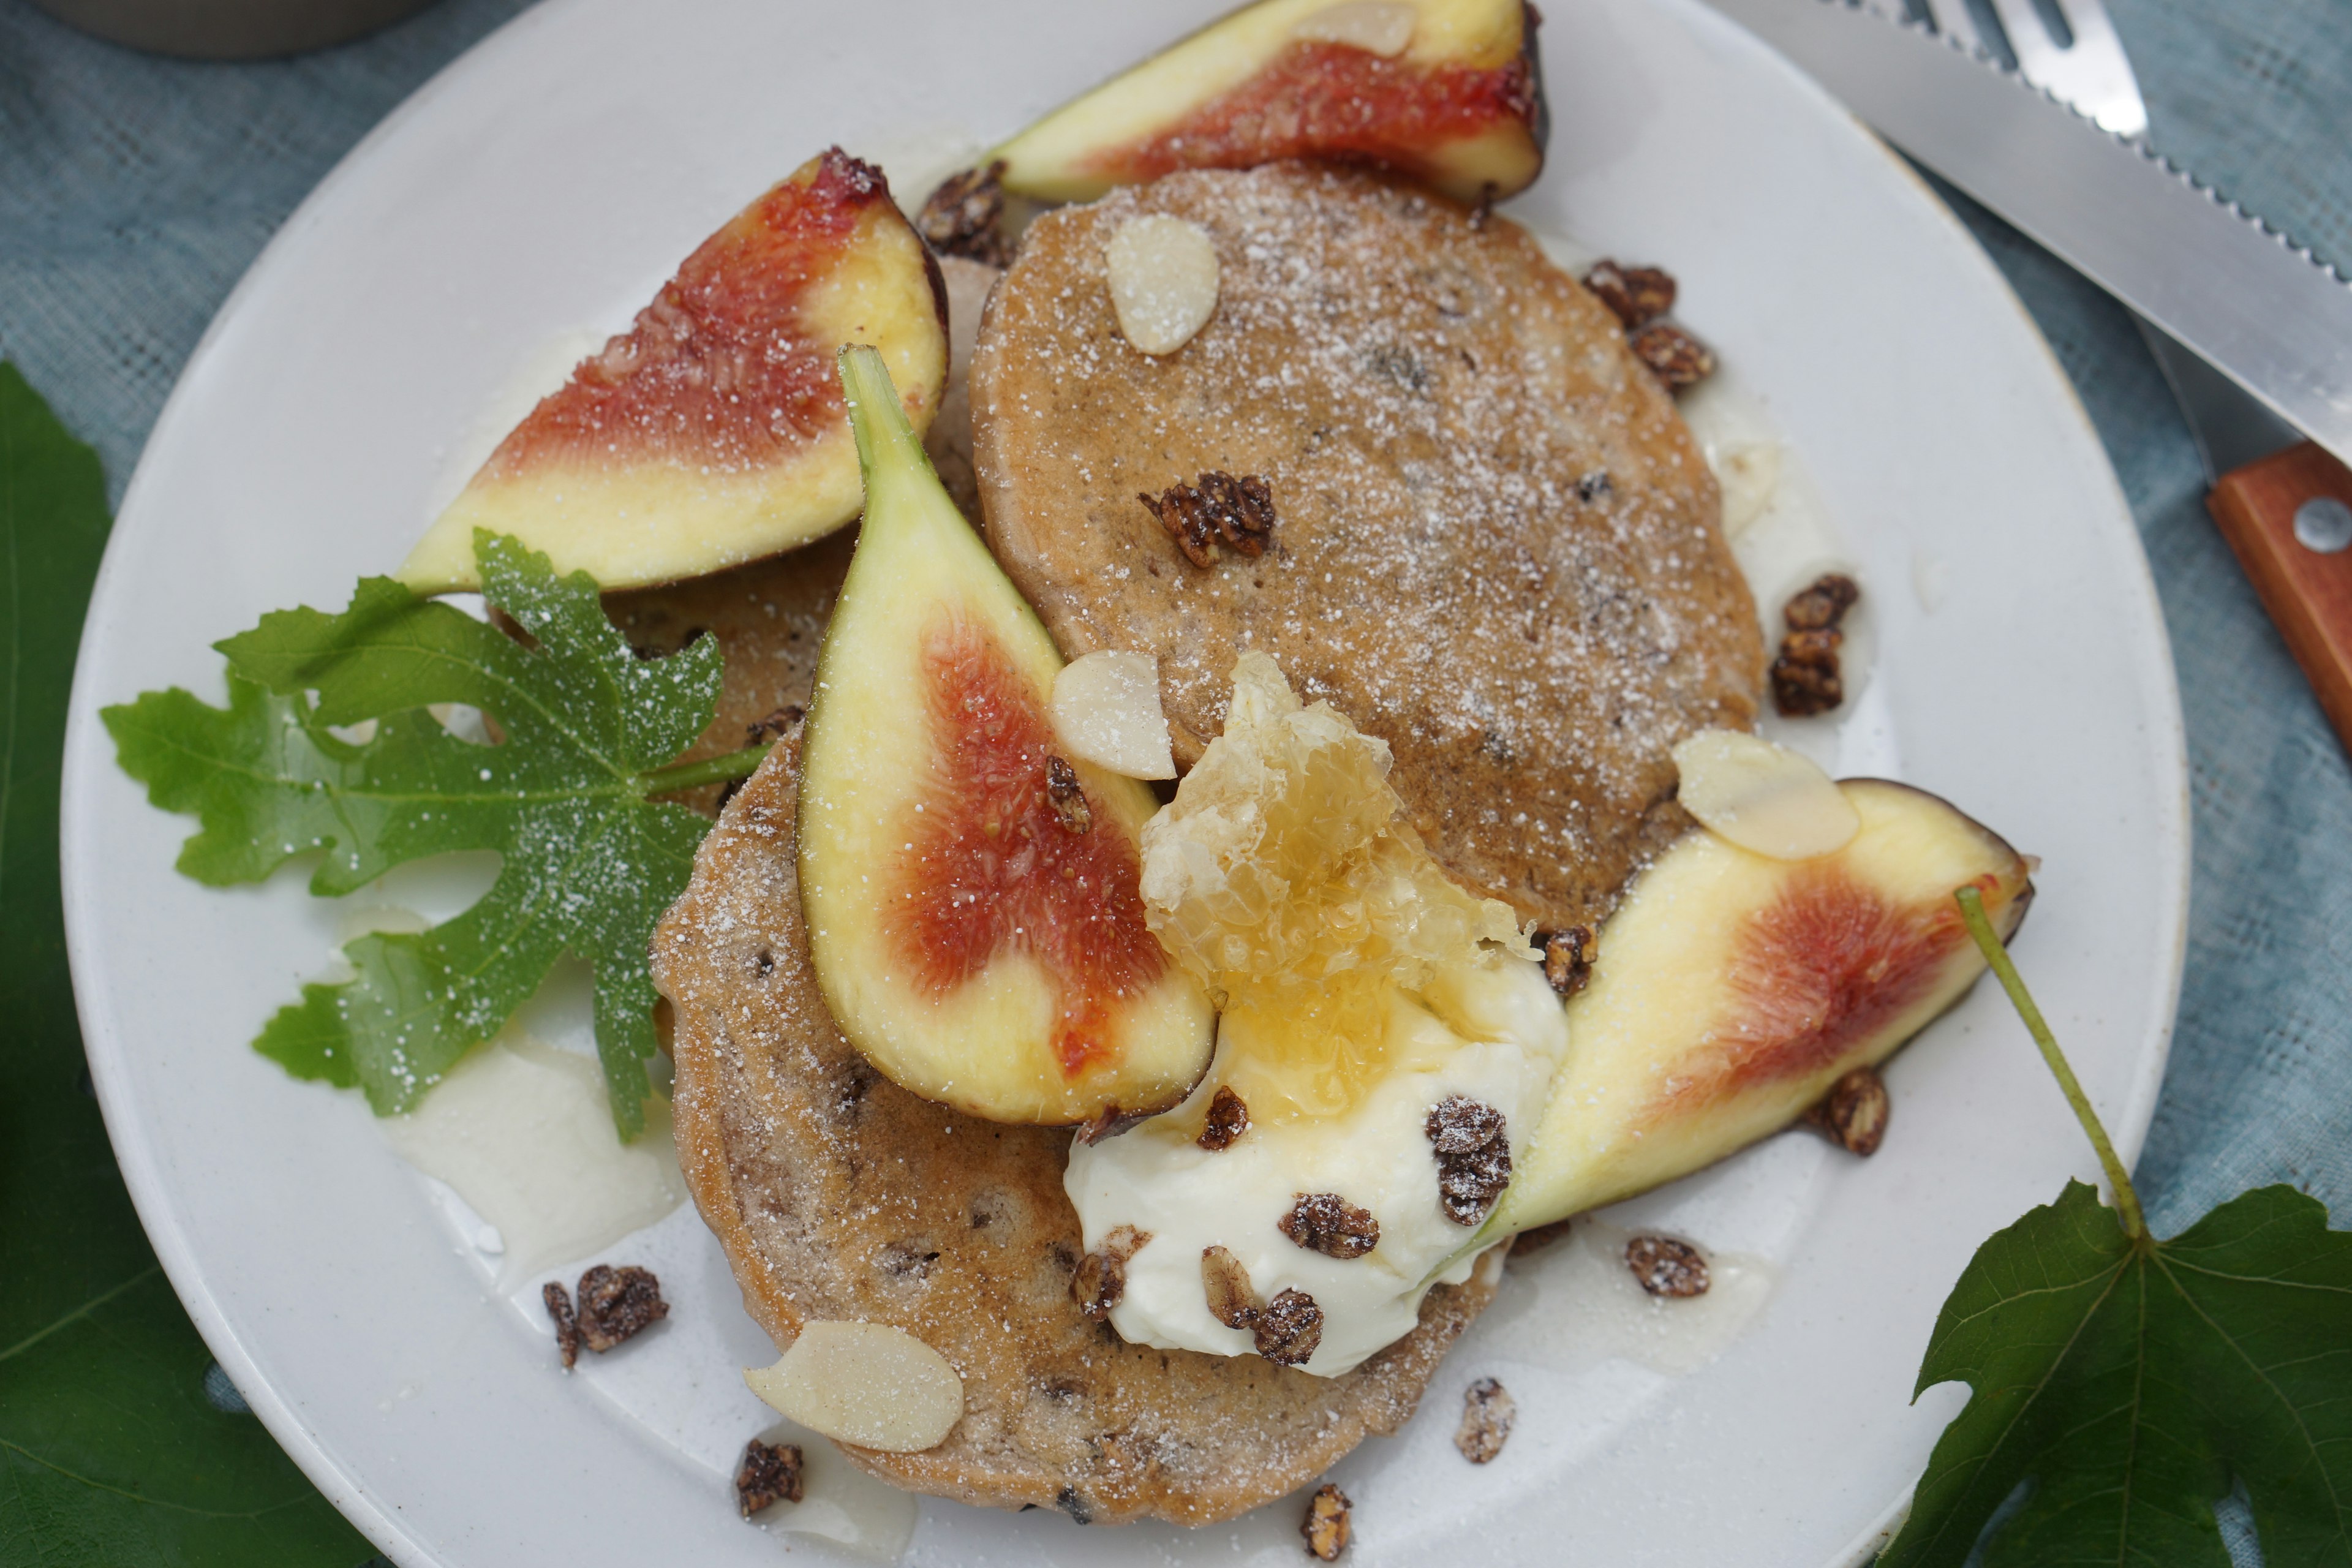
x=545, y=184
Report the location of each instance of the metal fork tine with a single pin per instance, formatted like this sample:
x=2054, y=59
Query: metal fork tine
x=2110, y=89
x=1952, y=20
x=2039, y=55
x=2092, y=73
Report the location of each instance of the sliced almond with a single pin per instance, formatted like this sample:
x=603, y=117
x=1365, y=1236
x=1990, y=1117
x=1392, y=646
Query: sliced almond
x=1106, y=711
x=1763, y=797
x=1163, y=280
x=868, y=1383
x=1382, y=28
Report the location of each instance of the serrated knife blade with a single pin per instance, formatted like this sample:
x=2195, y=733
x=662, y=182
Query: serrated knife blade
x=2268, y=316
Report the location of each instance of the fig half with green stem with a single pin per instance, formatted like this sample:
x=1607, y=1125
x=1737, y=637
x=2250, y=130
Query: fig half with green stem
x=971, y=891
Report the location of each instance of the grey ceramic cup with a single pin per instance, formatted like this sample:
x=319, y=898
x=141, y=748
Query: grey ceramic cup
x=229, y=30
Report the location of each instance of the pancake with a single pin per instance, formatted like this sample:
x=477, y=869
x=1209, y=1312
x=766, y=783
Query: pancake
x=1433, y=405
x=838, y=1195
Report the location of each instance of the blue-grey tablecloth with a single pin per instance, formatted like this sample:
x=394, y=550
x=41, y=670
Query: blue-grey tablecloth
x=134, y=191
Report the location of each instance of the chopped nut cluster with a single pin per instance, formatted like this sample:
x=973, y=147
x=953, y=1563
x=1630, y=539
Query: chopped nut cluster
x=1227, y=1119
x=1487, y=1411
x=1326, y=1527
x=1101, y=1277
x=1666, y=1267
x=1067, y=796
x=1806, y=679
x=768, y=1475
x=1474, y=1156
x=965, y=216
x=1220, y=509
x=1638, y=295
x=1287, y=1328
x=1854, y=1113
x=615, y=1305
x=1568, y=958
x=1330, y=1224
x=1674, y=356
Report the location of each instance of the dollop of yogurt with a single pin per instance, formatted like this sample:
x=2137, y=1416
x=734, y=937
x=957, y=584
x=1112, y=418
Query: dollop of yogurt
x=1359, y=988
x=1490, y=1030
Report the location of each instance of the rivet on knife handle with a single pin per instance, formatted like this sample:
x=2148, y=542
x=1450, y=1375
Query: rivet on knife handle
x=2289, y=517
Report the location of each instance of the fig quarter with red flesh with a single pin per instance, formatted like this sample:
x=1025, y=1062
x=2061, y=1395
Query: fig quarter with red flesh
x=1448, y=91
x=711, y=432
x=977, y=946
x=1734, y=991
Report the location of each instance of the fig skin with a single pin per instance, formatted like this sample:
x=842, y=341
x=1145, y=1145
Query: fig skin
x=1460, y=109
x=1721, y=1010
x=974, y=944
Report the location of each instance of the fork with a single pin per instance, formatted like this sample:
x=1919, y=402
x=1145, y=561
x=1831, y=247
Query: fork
x=2086, y=67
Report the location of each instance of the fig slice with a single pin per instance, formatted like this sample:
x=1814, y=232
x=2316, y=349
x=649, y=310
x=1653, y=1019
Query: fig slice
x=1734, y=990
x=1448, y=91
x=980, y=941
x=711, y=432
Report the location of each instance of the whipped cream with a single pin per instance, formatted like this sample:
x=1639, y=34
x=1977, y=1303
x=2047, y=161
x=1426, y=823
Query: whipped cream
x=1490, y=1029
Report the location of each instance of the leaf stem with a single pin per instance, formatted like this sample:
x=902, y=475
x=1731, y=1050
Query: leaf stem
x=680, y=776
x=1989, y=943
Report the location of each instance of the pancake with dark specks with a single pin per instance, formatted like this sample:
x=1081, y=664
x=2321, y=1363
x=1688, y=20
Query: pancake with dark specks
x=838, y=1195
x=1497, y=547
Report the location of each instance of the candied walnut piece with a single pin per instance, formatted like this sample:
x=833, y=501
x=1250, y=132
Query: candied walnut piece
x=1854, y=1113
x=567, y=1325
x=1802, y=689
x=1806, y=679
x=1637, y=295
x=1330, y=1224
x=1821, y=604
x=1666, y=1267
x=1674, y=356
x=767, y=1475
x=965, y=216
x=1233, y=1301
x=1227, y=1119
x=618, y=1304
x=1066, y=796
x=1288, y=1328
x=1100, y=1281
x=1568, y=958
x=1487, y=1411
x=1221, y=508
x=1326, y=1527
x=1474, y=1156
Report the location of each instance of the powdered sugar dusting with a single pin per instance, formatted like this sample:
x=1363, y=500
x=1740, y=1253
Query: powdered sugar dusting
x=1497, y=546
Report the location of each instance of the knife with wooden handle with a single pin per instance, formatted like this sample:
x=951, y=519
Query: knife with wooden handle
x=2285, y=505
x=2255, y=334
x=2289, y=518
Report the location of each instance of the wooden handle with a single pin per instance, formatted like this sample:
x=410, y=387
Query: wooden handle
x=2308, y=590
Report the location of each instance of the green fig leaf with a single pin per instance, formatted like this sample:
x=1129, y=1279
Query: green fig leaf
x=2130, y=1382
x=110, y=1450
x=588, y=860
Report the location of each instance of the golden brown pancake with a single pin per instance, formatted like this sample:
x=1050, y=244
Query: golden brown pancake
x=839, y=1195
x=1434, y=406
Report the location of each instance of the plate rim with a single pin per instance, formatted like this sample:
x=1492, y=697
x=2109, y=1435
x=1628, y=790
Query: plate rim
x=80, y=840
